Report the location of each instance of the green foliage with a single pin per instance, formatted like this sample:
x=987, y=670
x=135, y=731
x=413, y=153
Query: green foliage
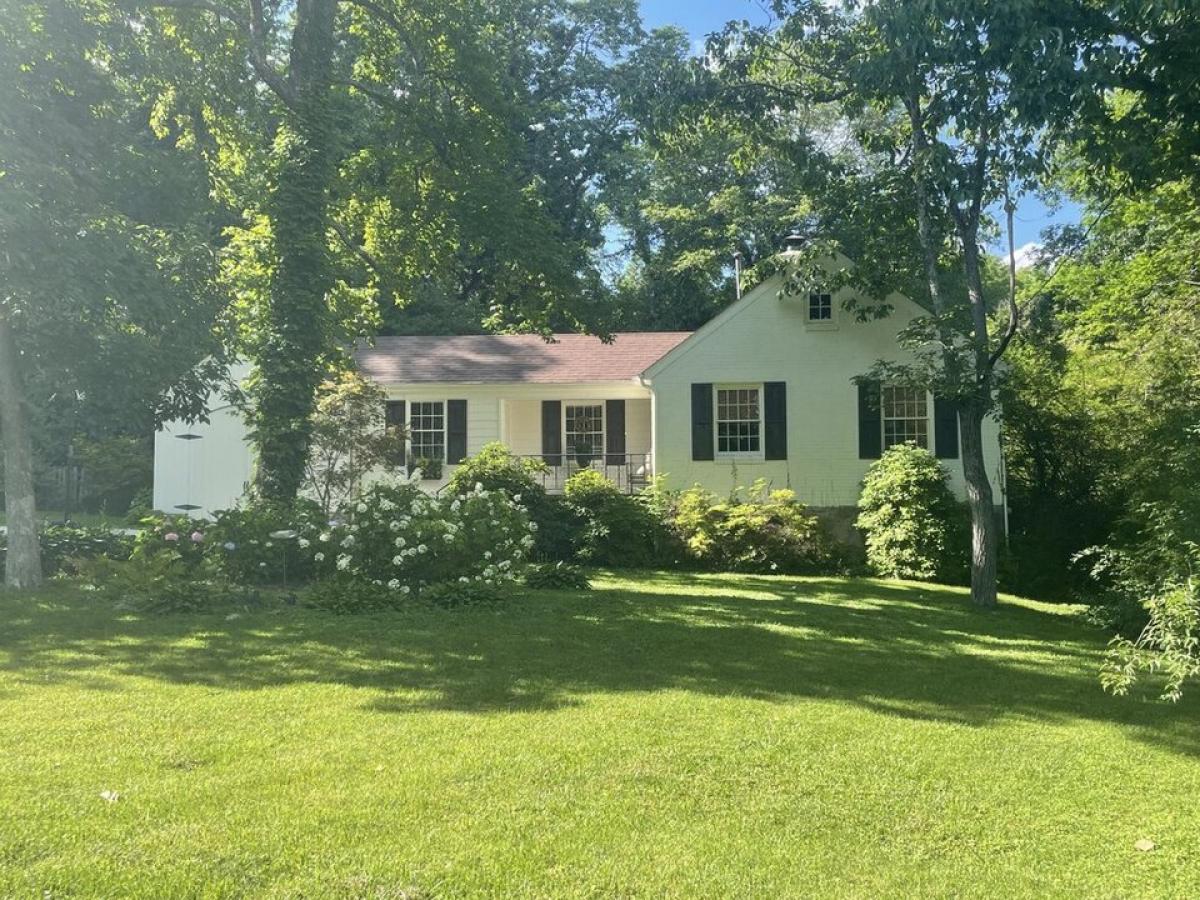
x=348, y=596
x=402, y=539
x=913, y=526
x=614, y=528
x=451, y=594
x=498, y=469
x=1169, y=644
x=116, y=469
x=264, y=542
x=65, y=546
x=760, y=531
x=347, y=440
x=159, y=582
x=559, y=575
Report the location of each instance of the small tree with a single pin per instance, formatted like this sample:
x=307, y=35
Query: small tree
x=348, y=439
x=912, y=524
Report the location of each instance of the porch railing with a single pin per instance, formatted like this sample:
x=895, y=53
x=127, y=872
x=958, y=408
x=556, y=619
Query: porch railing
x=630, y=472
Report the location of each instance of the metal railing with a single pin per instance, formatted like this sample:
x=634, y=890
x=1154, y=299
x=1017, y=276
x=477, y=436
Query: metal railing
x=630, y=472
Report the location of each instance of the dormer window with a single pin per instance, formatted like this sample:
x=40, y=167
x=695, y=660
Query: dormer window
x=820, y=307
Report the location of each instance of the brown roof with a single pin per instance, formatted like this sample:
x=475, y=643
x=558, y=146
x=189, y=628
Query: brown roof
x=514, y=358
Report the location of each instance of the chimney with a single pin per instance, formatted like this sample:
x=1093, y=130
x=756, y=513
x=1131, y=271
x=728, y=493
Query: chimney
x=794, y=241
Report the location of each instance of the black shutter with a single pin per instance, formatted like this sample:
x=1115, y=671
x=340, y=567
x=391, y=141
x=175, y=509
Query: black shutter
x=394, y=414
x=552, y=432
x=702, y=421
x=775, y=420
x=945, y=428
x=456, y=431
x=870, y=425
x=614, y=432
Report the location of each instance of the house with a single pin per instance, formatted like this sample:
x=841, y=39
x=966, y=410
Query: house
x=764, y=390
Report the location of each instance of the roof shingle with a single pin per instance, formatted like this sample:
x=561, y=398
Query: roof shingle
x=513, y=358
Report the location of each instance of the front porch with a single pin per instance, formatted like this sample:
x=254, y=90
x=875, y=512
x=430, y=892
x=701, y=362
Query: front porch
x=630, y=472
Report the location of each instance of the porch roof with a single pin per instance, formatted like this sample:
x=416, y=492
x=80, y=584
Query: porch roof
x=513, y=358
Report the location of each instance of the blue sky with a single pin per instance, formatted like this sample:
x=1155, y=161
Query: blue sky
x=700, y=17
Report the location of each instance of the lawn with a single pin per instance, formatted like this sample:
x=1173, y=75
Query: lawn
x=663, y=735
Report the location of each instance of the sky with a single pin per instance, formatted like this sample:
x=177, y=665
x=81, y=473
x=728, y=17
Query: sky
x=700, y=17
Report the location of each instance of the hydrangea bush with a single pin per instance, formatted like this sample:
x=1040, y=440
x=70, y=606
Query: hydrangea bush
x=397, y=537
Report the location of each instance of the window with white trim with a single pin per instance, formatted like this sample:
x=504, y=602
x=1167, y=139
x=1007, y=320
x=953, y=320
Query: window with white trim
x=905, y=416
x=427, y=429
x=739, y=421
x=820, y=307
x=583, y=430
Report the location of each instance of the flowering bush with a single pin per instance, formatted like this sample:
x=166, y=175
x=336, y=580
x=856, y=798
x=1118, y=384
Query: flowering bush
x=265, y=542
x=174, y=536
x=399, y=538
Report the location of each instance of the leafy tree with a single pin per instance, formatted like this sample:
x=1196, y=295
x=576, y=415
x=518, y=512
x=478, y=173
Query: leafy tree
x=949, y=103
x=348, y=441
x=106, y=270
x=385, y=154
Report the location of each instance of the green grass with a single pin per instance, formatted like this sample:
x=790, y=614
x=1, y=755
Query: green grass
x=663, y=735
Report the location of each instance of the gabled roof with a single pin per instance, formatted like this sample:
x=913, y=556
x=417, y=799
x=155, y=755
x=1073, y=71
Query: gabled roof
x=514, y=358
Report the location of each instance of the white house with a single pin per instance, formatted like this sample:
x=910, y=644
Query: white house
x=763, y=391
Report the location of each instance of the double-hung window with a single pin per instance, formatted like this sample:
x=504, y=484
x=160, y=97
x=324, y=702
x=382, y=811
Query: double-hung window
x=739, y=421
x=905, y=416
x=583, y=430
x=427, y=430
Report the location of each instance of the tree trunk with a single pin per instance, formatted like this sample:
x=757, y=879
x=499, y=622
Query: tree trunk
x=984, y=543
x=984, y=546
x=23, y=560
x=289, y=364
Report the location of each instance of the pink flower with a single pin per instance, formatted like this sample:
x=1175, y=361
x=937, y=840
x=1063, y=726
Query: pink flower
x=170, y=536
x=197, y=537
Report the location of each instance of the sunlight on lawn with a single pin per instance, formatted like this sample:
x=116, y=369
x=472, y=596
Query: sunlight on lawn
x=664, y=734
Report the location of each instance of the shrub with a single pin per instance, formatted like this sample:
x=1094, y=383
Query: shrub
x=404, y=540
x=761, y=532
x=177, y=537
x=557, y=576
x=64, y=546
x=498, y=469
x=913, y=526
x=159, y=582
x=264, y=542
x=1170, y=643
x=349, y=595
x=612, y=529
x=452, y=594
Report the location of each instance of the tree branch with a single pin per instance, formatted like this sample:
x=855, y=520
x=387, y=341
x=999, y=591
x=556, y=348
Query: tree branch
x=253, y=28
x=1014, y=314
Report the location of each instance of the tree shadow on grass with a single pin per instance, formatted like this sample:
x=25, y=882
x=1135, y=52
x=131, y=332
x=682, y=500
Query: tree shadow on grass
x=913, y=651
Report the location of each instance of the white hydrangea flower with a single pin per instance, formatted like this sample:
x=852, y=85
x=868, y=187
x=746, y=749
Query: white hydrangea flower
x=394, y=583
x=343, y=562
x=362, y=507
x=324, y=536
x=400, y=542
x=405, y=589
x=348, y=541
x=303, y=542
x=398, y=560
x=422, y=549
x=320, y=557
x=487, y=554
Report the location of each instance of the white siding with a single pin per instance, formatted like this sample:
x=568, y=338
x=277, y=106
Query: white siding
x=765, y=338
x=211, y=472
